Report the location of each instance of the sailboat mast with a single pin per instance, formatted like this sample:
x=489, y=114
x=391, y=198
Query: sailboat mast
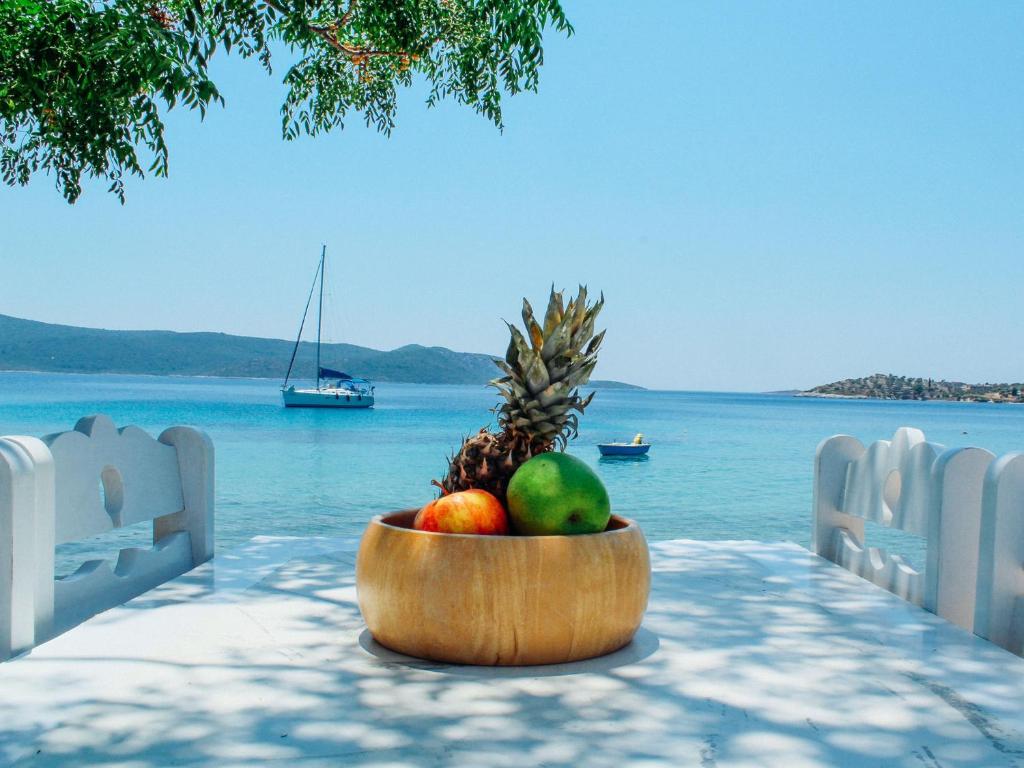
x=302, y=324
x=320, y=314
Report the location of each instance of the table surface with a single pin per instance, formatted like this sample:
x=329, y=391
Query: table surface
x=750, y=655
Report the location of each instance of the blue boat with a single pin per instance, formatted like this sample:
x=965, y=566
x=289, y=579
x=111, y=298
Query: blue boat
x=623, y=449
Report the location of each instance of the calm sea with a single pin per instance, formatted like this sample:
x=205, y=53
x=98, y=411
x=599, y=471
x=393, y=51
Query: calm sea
x=722, y=466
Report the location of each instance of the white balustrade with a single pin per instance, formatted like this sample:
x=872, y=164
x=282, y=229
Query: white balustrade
x=910, y=485
x=999, y=613
x=93, y=479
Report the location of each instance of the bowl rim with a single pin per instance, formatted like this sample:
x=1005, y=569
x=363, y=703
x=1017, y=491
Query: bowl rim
x=630, y=526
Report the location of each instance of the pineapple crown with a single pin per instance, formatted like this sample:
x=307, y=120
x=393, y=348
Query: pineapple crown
x=545, y=368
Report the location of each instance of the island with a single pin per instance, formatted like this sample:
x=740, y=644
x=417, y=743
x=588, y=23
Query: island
x=888, y=386
x=30, y=345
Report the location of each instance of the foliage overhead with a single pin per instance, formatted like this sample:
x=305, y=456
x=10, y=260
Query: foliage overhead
x=84, y=83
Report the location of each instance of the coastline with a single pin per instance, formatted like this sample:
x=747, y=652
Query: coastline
x=606, y=384
x=831, y=396
x=889, y=386
x=39, y=347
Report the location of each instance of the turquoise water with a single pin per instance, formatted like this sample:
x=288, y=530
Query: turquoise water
x=722, y=466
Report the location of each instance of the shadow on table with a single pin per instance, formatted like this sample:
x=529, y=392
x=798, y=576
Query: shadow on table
x=643, y=645
x=749, y=656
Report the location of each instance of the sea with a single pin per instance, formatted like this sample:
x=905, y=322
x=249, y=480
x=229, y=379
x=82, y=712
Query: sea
x=722, y=465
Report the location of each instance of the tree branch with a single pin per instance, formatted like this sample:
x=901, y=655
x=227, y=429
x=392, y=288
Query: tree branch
x=329, y=34
x=348, y=14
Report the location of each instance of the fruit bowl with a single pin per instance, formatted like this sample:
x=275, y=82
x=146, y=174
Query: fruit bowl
x=501, y=600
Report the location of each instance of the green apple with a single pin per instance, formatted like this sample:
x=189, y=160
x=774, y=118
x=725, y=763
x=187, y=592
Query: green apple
x=555, y=493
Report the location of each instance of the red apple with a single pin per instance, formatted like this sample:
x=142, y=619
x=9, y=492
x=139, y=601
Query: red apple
x=472, y=511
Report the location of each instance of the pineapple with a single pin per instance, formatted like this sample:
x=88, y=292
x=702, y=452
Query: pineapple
x=543, y=372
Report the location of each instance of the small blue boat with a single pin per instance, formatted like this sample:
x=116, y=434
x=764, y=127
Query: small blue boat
x=623, y=449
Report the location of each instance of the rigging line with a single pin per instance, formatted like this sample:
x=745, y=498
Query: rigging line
x=295, y=349
x=320, y=315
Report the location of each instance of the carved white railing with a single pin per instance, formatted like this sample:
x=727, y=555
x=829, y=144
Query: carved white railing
x=999, y=613
x=911, y=485
x=73, y=485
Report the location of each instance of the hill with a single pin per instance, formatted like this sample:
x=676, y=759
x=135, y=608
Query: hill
x=29, y=345
x=887, y=386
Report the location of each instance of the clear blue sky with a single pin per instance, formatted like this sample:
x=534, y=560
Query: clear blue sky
x=770, y=194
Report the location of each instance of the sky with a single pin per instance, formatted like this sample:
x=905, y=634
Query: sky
x=771, y=195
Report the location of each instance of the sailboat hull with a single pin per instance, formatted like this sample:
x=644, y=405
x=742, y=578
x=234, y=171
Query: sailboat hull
x=325, y=398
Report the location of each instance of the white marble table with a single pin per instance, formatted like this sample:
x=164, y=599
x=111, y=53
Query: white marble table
x=750, y=655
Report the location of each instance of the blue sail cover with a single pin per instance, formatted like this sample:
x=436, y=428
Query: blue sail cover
x=330, y=373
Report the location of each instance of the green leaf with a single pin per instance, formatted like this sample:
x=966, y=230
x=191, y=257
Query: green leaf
x=83, y=84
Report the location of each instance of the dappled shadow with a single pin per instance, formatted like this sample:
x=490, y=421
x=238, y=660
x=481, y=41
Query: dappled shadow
x=749, y=655
x=643, y=645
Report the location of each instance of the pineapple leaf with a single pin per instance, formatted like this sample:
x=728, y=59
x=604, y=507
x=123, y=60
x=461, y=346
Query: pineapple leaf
x=579, y=309
x=523, y=351
x=595, y=344
x=559, y=367
x=586, y=370
x=554, y=313
x=512, y=353
x=507, y=369
x=553, y=394
x=536, y=335
x=584, y=332
x=557, y=340
x=532, y=327
x=560, y=409
x=537, y=379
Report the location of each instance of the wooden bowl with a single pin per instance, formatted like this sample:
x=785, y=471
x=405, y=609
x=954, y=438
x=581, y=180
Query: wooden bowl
x=502, y=600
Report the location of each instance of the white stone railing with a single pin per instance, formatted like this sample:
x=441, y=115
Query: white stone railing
x=968, y=506
x=999, y=613
x=73, y=485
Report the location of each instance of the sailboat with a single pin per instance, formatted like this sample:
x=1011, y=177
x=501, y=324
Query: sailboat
x=334, y=389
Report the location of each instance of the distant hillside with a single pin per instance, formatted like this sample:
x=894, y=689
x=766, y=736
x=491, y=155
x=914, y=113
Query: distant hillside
x=886, y=386
x=606, y=384
x=28, y=345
